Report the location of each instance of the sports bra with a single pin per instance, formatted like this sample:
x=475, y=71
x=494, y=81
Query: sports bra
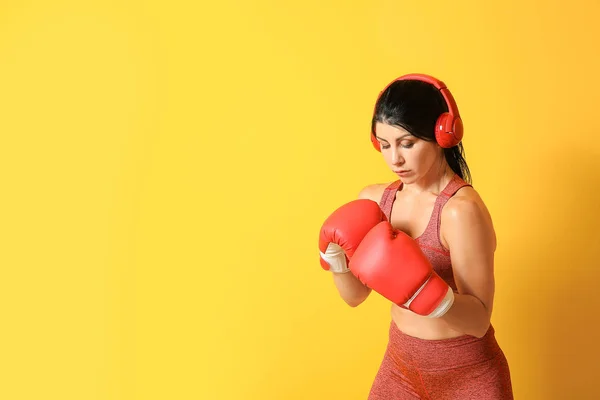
x=429, y=241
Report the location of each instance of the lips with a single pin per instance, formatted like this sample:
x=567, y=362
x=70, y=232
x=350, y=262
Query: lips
x=403, y=172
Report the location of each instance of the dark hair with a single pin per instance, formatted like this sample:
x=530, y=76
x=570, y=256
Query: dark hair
x=415, y=106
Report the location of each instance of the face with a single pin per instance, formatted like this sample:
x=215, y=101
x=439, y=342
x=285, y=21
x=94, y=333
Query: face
x=409, y=157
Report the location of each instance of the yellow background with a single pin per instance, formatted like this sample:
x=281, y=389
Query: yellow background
x=165, y=168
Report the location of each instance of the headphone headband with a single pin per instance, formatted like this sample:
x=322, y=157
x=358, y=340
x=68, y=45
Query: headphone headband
x=449, y=127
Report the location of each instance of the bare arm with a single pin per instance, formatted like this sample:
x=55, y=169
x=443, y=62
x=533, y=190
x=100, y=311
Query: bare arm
x=472, y=242
x=352, y=291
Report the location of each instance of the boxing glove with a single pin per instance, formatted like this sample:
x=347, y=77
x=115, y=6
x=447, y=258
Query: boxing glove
x=391, y=263
x=343, y=230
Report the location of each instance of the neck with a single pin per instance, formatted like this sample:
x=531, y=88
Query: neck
x=434, y=181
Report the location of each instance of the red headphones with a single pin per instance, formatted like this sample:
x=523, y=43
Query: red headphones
x=449, y=126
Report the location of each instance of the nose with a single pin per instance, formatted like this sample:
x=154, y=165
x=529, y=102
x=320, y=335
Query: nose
x=397, y=158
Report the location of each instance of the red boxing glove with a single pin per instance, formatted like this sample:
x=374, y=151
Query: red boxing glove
x=391, y=263
x=343, y=231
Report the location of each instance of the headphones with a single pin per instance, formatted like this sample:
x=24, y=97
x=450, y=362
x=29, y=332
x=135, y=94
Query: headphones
x=448, y=127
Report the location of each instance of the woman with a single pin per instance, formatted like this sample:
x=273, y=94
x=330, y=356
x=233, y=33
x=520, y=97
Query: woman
x=454, y=354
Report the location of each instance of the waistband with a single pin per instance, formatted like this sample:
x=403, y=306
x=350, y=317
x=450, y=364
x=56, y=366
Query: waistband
x=442, y=354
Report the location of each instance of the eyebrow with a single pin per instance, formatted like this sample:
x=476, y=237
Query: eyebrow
x=400, y=138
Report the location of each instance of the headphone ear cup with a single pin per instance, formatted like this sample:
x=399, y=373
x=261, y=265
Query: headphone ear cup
x=375, y=143
x=448, y=130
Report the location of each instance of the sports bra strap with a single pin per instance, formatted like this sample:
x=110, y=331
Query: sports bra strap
x=388, y=197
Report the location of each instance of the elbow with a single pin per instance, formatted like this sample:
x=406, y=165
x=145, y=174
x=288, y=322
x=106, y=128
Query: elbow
x=356, y=301
x=482, y=330
x=354, y=296
x=485, y=321
x=479, y=334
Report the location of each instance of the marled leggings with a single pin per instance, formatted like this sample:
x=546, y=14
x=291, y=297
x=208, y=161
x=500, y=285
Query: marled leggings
x=461, y=368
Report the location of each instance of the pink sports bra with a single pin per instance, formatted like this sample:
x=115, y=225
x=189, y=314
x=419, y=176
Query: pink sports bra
x=429, y=241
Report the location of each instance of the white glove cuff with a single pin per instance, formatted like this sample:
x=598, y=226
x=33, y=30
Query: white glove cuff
x=444, y=305
x=336, y=258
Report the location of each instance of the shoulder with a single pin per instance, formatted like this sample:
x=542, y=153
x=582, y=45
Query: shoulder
x=466, y=215
x=465, y=203
x=373, y=191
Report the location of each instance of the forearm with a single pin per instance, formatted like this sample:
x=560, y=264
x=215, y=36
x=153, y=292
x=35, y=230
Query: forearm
x=352, y=291
x=468, y=315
